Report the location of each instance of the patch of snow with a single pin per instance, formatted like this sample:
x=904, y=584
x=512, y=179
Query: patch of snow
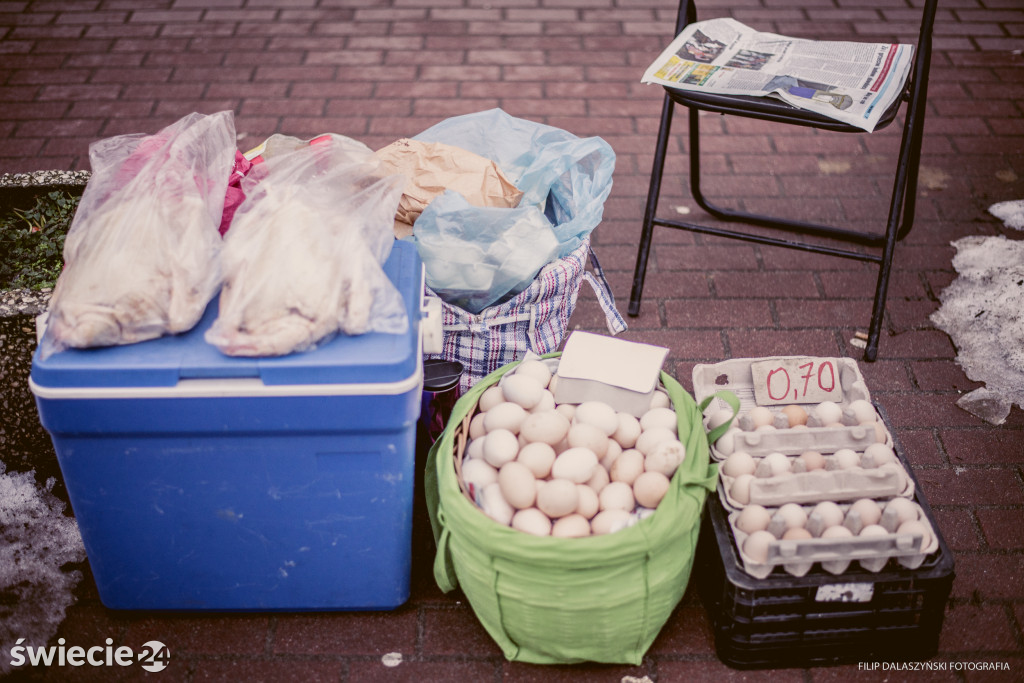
x=1011, y=213
x=983, y=312
x=36, y=541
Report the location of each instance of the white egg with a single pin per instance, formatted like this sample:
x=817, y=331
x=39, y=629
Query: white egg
x=660, y=417
x=476, y=426
x=494, y=504
x=548, y=427
x=777, y=464
x=659, y=399
x=649, y=488
x=598, y=414
x=547, y=402
x=739, y=463
x=518, y=485
x=537, y=369
x=599, y=480
x=478, y=474
x=609, y=521
x=866, y=510
x=792, y=515
x=916, y=527
x=726, y=444
x=861, y=411
x=558, y=498
x=828, y=412
x=588, y=504
x=878, y=454
x=740, y=489
x=719, y=418
x=900, y=510
x=500, y=446
x=522, y=389
x=627, y=431
x=583, y=435
x=532, y=521
x=475, y=448
x=571, y=526
x=812, y=460
x=613, y=452
x=576, y=464
x=627, y=467
x=881, y=435
x=797, y=533
x=827, y=513
x=873, y=530
x=538, y=457
x=666, y=457
x=761, y=417
x=617, y=495
x=765, y=428
x=753, y=518
x=756, y=546
x=491, y=397
x=505, y=415
x=846, y=458
x=650, y=438
x=836, y=531
x=567, y=409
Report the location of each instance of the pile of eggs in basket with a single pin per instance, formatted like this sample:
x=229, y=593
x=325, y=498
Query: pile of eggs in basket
x=566, y=470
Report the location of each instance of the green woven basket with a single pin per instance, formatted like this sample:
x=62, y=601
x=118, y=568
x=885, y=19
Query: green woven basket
x=552, y=600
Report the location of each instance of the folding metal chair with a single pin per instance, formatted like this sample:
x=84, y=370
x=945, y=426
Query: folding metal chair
x=901, y=205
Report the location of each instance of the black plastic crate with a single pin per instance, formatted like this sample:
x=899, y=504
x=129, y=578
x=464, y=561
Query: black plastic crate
x=820, y=618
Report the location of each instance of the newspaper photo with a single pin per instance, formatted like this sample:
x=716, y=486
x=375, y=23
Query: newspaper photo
x=849, y=81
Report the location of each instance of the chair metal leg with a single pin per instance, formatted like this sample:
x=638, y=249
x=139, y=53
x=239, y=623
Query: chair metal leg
x=732, y=215
x=647, y=230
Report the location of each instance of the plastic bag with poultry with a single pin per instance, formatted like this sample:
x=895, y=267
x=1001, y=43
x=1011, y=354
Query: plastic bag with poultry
x=141, y=259
x=302, y=260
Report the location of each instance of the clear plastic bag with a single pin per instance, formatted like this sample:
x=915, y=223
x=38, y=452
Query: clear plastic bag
x=475, y=256
x=302, y=260
x=142, y=255
x=568, y=178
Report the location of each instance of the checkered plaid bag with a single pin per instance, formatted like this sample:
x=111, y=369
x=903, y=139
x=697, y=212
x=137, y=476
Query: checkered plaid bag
x=535, y=319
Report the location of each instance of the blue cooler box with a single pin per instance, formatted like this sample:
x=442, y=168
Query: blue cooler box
x=204, y=482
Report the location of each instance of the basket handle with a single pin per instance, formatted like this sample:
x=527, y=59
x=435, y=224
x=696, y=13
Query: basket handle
x=734, y=403
x=444, y=569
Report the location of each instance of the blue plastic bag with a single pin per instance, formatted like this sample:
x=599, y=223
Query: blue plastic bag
x=566, y=177
x=475, y=256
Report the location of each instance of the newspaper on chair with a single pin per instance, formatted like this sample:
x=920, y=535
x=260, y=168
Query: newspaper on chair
x=849, y=81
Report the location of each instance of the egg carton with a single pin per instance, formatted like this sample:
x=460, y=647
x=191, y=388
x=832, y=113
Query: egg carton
x=835, y=555
x=887, y=481
x=735, y=376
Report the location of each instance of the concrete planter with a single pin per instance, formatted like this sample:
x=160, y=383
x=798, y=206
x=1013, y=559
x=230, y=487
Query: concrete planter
x=24, y=444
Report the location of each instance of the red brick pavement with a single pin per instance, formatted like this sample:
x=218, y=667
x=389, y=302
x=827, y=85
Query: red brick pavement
x=76, y=70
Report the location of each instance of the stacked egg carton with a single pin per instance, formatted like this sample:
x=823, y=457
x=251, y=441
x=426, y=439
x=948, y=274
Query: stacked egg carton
x=814, y=483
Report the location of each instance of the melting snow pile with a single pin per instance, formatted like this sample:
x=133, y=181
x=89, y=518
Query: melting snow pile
x=36, y=540
x=983, y=312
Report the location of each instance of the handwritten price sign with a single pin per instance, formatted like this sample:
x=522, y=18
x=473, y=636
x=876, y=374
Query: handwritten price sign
x=796, y=380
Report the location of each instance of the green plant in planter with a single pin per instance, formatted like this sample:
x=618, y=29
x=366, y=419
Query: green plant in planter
x=32, y=241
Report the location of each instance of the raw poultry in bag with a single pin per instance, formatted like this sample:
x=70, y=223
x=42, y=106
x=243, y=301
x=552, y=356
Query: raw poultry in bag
x=142, y=255
x=302, y=260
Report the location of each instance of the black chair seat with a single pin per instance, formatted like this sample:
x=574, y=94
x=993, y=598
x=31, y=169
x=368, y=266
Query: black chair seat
x=772, y=109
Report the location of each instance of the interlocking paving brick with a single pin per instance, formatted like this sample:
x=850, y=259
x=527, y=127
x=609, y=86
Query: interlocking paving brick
x=72, y=72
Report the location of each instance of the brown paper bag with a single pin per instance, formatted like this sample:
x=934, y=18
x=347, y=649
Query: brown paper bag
x=433, y=167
